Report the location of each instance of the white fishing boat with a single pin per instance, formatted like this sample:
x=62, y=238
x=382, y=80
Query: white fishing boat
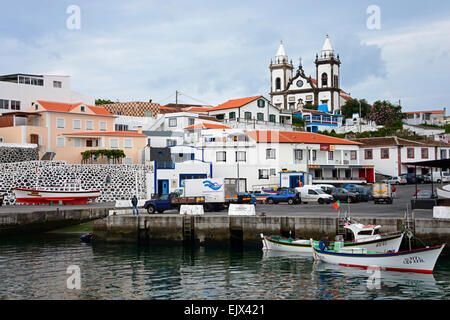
x=363, y=236
x=68, y=193
x=418, y=260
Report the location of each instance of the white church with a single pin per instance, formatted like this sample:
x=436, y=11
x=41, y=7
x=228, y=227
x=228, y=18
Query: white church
x=291, y=91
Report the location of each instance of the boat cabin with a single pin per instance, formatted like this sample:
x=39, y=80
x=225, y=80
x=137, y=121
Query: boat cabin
x=361, y=232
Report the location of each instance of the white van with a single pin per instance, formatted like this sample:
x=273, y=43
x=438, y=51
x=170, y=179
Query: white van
x=438, y=178
x=314, y=194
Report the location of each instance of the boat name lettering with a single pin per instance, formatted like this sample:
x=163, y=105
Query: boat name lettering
x=411, y=260
x=381, y=244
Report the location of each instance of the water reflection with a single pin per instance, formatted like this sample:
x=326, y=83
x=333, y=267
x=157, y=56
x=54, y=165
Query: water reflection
x=36, y=269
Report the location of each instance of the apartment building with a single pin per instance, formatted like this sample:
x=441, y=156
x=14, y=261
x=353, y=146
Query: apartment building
x=64, y=131
x=19, y=91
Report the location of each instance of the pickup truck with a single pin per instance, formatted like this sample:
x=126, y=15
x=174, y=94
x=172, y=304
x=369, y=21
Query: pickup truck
x=291, y=196
x=170, y=201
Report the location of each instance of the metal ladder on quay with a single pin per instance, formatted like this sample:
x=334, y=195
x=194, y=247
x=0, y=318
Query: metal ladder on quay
x=188, y=228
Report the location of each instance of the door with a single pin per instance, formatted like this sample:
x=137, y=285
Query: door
x=294, y=181
x=163, y=187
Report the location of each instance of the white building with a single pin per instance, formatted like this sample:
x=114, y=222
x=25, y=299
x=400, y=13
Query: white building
x=19, y=91
x=290, y=91
x=391, y=155
x=257, y=158
x=436, y=117
x=252, y=113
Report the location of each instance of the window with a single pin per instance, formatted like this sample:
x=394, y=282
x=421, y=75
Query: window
x=103, y=125
x=89, y=125
x=241, y=156
x=171, y=142
x=298, y=154
x=15, y=105
x=60, y=141
x=220, y=116
x=121, y=127
x=83, y=109
x=368, y=154
x=60, y=123
x=314, y=155
x=247, y=115
x=128, y=143
x=221, y=156
x=273, y=172
x=324, y=80
x=260, y=116
x=272, y=118
x=114, y=143
x=77, y=142
x=191, y=121
x=410, y=153
x=353, y=155
x=263, y=174
x=232, y=115
x=90, y=143
x=424, y=153
x=443, y=154
x=384, y=153
x=77, y=124
x=277, y=84
x=57, y=84
x=172, y=122
x=330, y=155
x=4, y=104
x=270, y=153
x=261, y=103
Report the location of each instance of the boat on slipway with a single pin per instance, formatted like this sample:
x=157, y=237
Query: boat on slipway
x=68, y=193
x=417, y=260
x=363, y=236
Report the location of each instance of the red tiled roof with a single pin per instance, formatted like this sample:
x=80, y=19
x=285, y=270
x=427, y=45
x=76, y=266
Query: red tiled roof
x=387, y=141
x=205, y=125
x=197, y=109
x=418, y=112
x=236, y=103
x=108, y=133
x=67, y=107
x=295, y=137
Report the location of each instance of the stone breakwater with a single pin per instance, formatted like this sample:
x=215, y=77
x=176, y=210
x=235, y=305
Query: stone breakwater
x=116, y=181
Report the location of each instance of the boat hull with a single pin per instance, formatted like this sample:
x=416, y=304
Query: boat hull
x=419, y=260
x=385, y=244
x=34, y=196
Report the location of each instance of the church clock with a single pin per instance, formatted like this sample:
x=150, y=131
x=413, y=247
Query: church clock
x=299, y=83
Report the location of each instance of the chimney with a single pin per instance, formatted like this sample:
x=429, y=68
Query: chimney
x=139, y=129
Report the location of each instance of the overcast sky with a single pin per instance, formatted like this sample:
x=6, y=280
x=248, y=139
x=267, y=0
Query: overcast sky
x=213, y=51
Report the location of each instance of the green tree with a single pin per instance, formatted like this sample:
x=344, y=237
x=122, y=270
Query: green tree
x=352, y=106
x=310, y=106
x=99, y=102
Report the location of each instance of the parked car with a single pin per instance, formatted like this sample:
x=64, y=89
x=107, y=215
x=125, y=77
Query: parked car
x=291, y=196
x=425, y=194
x=325, y=187
x=344, y=195
x=426, y=178
x=314, y=194
x=437, y=177
x=364, y=194
x=410, y=177
x=396, y=180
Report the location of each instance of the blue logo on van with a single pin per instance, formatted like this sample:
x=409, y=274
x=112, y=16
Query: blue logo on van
x=212, y=185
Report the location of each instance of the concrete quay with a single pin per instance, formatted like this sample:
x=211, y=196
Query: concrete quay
x=21, y=220
x=224, y=229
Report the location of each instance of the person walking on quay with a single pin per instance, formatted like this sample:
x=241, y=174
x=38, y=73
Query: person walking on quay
x=134, y=202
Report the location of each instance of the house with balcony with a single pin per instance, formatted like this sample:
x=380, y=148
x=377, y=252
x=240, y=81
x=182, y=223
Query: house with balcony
x=261, y=158
x=319, y=120
x=65, y=131
x=436, y=117
x=252, y=113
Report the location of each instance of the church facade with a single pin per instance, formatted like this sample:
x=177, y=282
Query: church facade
x=291, y=91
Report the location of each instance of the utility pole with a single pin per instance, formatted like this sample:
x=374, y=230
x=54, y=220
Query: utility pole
x=359, y=116
x=176, y=98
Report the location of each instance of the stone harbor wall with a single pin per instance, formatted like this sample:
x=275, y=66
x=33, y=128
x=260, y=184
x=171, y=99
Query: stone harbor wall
x=10, y=152
x=116, y=181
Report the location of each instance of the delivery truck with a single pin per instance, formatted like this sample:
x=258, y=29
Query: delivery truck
x=382, y=192
x=211, y=193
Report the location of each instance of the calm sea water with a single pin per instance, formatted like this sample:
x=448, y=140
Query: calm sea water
x=36, y=268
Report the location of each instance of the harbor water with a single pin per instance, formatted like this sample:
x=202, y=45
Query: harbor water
x=39, y=267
